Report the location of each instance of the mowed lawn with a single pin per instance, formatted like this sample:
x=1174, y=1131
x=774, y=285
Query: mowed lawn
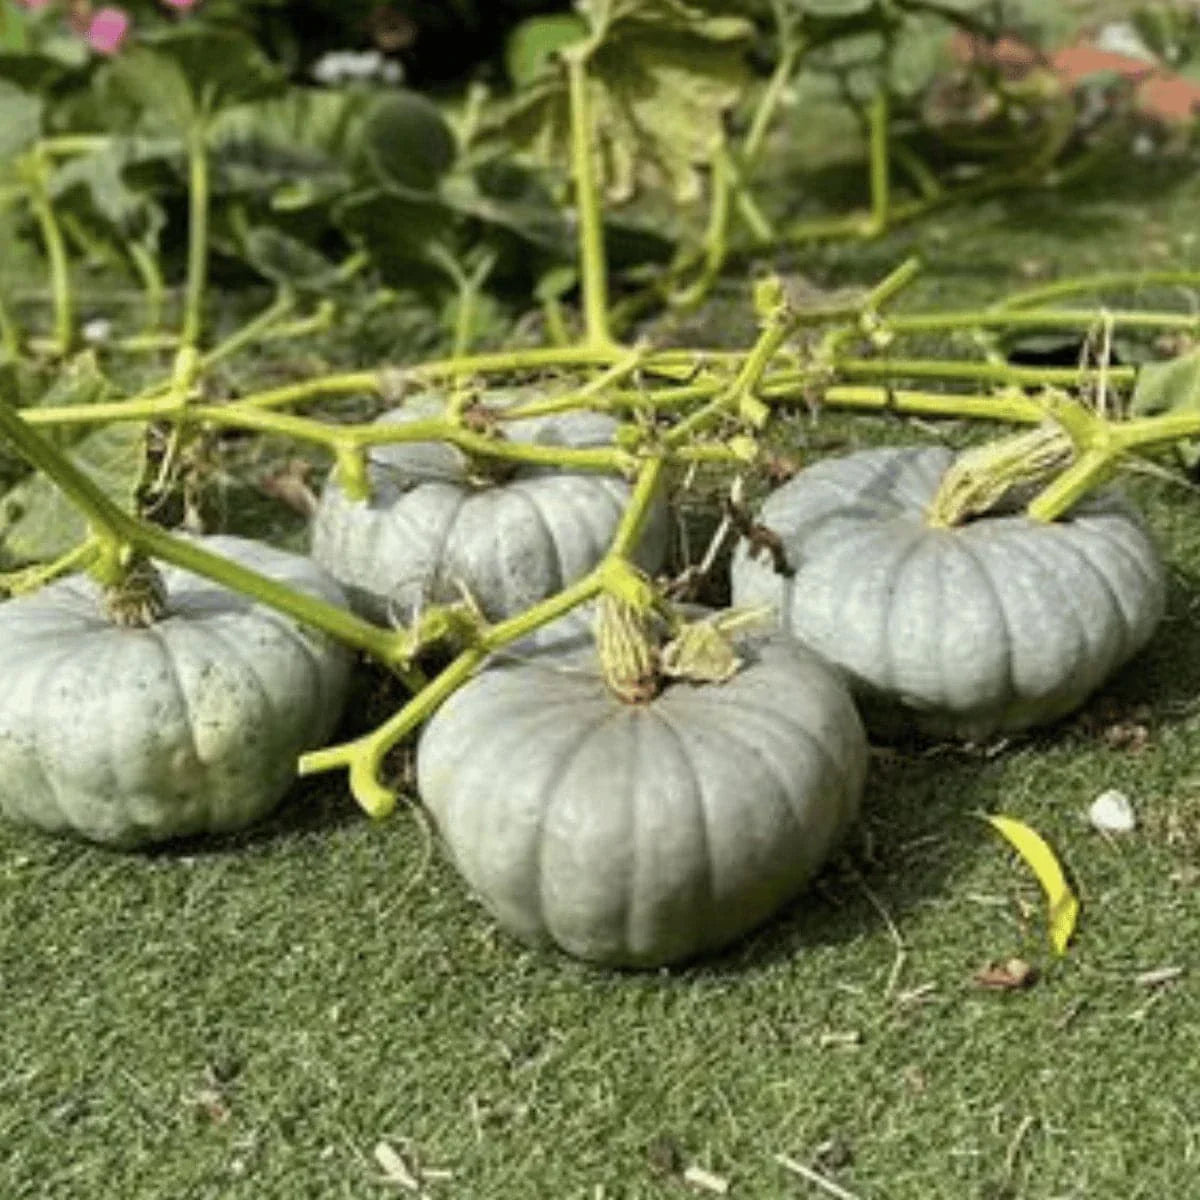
x=251, y=1019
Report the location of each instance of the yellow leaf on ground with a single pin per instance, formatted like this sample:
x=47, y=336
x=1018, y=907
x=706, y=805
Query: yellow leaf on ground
x=1062, y=903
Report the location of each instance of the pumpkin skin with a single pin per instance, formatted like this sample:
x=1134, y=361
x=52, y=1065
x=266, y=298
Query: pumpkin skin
x=127, y=736
x=993, y=626
x=642, y=835
x=427, y=526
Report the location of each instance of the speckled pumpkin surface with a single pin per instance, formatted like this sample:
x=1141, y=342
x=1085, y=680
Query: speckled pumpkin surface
x=995, y=625
x=642, y=834
x=430, y=526
x=191, y=725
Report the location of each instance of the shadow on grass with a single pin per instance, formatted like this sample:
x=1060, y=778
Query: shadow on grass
x=914, y=837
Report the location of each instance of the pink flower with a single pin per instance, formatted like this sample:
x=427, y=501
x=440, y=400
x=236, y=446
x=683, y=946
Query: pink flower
x=182, y=5
x=107, y=30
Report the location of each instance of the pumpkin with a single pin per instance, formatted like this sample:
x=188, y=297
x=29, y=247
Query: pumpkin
x=190, y=724
x=433, y=524
x=990, y=626
x=641, y=834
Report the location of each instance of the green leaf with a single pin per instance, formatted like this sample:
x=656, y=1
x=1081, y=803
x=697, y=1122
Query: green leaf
x=398, y=232
x=37, y=522
x=660, y=85
x=99, y=176
x=180, y=78
x=407, y=142
x=508, y=196
x=1171, y=386
x=285, y=259
x=155, y=87
x=298, y=147
x=14, y=33
x=918, y=54
x=20, y=119
x=39, y=71
x=532, y=45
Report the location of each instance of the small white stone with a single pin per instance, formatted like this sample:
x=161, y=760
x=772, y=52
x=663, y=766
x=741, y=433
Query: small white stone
x=1112, y=812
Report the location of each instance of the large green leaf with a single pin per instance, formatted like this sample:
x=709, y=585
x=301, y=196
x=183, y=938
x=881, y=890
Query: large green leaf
x=37, y=522
x=20, y=119
x=660, y=84
x=182, y=77
x=297, y=147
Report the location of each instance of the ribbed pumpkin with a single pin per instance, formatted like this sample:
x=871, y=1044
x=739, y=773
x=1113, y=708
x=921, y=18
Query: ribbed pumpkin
x=642, y=834
x=994, y=625
x=432, y=524
x=191, y=724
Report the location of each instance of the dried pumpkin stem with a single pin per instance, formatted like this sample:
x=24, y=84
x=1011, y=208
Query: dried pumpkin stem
x=982, y=477
x=140, y=598
x=627, y=649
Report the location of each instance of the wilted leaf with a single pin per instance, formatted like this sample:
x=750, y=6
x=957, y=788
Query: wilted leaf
x=38, y=522
x=1007, y=976
x=1062, y=904
x=659, y=86
x=1158, y=977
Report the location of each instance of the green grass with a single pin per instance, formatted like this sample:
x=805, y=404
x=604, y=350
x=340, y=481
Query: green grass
x=248, y=1019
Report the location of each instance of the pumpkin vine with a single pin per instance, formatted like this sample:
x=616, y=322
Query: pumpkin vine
x=669, y=409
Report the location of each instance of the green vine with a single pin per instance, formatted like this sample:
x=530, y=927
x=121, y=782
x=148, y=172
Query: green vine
x=675, y=407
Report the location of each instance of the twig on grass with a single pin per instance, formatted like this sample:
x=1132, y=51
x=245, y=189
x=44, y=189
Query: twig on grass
x=901, y=956
x=814, y=1177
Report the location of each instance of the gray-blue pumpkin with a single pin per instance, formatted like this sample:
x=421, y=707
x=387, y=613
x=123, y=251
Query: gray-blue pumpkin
x=643, y=834
x=191, y=724
x=994, y=625
x=429, y=526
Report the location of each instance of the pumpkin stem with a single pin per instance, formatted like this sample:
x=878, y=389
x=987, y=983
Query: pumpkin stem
x=981, y=478
x=140, y=598
x=628, y=649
